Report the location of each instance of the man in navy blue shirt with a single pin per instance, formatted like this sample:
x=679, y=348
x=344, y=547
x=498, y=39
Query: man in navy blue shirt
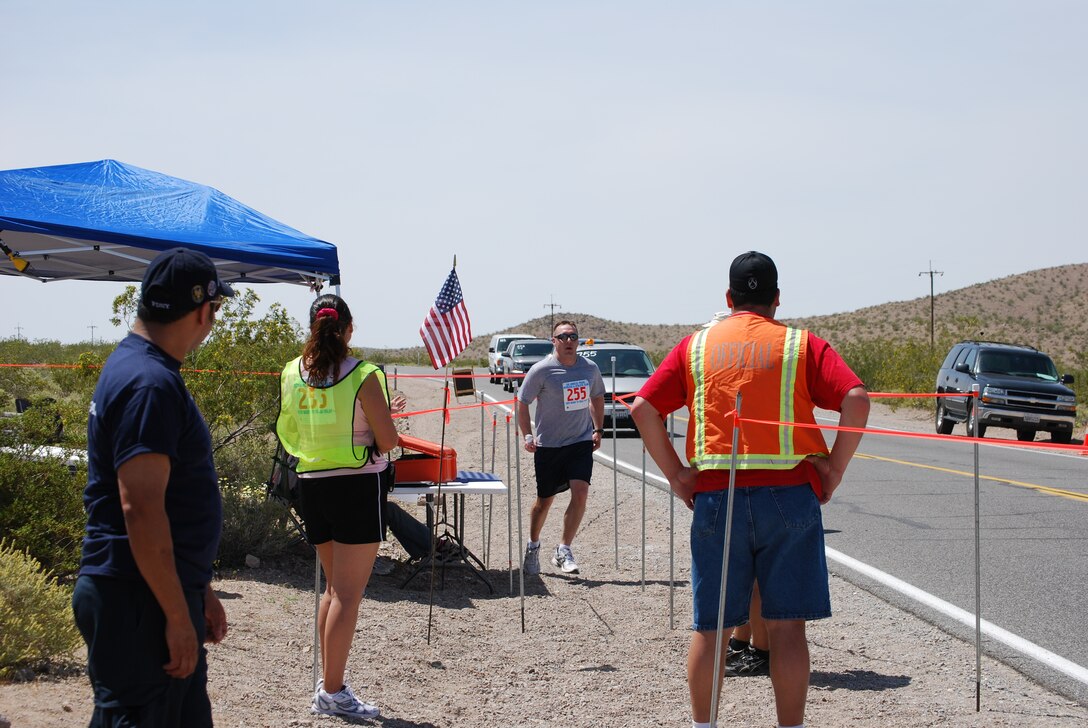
x=143, y=599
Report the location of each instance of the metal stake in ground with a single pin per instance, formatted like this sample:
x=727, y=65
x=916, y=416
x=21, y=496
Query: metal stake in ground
x=438, y=496
x=643, y=516
x=521, y=542
x=672, y=542
x=509, y=510
x=978, y=568
x=615, y=472
x=714, y=693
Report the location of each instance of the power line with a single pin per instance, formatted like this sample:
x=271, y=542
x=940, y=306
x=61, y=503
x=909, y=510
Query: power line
x=553, y=305
x=931, y=273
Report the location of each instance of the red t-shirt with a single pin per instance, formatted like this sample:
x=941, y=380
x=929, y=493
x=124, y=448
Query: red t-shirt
x=829, y=379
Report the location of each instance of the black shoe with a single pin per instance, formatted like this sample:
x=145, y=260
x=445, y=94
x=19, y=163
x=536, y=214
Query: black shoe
x=752, y=663
x=734, y=656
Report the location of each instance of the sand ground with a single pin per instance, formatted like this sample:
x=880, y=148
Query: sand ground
x=604, y=648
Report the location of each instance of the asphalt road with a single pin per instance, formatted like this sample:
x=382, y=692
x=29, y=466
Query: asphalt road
x=907, y=508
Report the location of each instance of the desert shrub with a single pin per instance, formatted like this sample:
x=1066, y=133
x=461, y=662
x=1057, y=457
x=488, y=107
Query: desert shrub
x=36, y=622
x=41, y=509
x=252, y=525
x=891, y=365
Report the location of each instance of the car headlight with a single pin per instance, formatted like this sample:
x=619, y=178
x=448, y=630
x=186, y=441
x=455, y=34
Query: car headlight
x=1067, y=398
x=994, y=395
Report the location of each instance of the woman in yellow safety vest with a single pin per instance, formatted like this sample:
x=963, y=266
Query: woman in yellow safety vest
x=334, y=417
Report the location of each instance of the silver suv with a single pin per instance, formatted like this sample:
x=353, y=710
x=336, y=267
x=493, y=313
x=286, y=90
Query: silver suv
x=1019, y=388
x=632, y=367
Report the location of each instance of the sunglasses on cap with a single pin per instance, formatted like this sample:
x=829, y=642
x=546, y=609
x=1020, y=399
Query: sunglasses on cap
x=566, y=337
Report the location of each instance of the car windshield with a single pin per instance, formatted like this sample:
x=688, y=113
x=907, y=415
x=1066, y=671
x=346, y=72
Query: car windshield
x=539, y=348
x=1018, y=365
x=503, y=343
x=629, y=362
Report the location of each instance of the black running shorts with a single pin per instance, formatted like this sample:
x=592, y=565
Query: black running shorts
x=348, y=509
x=557, y=466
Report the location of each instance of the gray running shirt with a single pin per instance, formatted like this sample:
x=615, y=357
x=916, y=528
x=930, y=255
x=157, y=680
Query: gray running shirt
x=562, y=396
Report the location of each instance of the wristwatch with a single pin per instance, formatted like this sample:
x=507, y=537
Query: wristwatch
x=599, y=431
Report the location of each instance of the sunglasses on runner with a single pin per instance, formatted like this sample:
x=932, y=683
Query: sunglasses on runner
x=566, y=337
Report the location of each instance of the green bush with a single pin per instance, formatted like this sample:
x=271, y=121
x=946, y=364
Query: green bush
x=36, y=622
x=890, y=365
x=252, y=525
x=41, y=509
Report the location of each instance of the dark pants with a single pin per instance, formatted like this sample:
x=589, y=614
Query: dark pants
x=413, y=535
x=123, y=626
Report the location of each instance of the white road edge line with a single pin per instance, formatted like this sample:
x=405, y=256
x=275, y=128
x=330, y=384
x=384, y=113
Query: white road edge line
x=992, y=631
x=1030, y=649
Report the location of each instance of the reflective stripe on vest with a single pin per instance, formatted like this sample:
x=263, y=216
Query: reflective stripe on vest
x=747, y=364
x=312, y=424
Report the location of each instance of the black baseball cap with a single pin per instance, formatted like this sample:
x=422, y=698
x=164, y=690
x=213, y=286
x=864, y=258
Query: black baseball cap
x=178, y=280
x=753, y=277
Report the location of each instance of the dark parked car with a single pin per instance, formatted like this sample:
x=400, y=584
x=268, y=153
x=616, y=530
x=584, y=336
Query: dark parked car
x=1019, y=388
x=519, y=356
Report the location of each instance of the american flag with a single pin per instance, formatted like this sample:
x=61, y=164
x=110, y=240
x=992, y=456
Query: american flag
x=446, y=330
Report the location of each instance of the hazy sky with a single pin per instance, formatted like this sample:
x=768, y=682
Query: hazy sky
x=612, y=157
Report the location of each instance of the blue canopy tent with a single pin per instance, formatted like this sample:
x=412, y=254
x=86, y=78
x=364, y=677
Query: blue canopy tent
x=105, y=221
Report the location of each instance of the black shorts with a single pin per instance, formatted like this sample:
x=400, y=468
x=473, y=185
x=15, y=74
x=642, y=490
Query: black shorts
x=557, y=466
x=348, y=509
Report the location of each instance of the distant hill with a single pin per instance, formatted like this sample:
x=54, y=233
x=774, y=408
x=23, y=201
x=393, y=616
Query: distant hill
x=1046, y=308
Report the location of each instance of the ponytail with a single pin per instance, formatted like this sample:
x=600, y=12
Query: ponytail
x=330, y=319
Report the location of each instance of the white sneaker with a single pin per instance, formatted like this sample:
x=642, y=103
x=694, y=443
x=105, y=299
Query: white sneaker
x=342, y=703
x=564, y=559
x=531, y=564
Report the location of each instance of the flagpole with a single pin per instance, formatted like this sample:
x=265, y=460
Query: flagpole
x=438, y=495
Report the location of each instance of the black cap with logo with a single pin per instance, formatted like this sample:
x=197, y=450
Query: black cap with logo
x=179, y=280
x=753, y=278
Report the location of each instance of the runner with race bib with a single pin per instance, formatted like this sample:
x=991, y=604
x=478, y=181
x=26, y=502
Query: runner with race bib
x=569, y=396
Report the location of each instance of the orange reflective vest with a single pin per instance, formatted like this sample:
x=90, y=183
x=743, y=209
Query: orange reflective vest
x=766, y=362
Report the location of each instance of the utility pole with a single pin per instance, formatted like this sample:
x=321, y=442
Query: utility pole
x=931, y=273
x=18, y=331
x=553, y=305
x=92, y=327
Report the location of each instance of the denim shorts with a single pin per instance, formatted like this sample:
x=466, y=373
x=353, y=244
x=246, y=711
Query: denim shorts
x=777, y=539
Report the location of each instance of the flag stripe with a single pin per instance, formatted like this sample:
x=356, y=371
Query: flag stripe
x=446, y=330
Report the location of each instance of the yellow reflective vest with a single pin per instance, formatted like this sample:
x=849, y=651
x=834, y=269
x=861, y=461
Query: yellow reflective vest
x=766, y=361
x=316, y=424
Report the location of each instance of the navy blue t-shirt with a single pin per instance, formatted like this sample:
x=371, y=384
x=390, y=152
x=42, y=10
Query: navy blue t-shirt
x=141, y=406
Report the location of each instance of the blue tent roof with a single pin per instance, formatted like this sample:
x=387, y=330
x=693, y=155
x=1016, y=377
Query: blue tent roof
x=104, y=221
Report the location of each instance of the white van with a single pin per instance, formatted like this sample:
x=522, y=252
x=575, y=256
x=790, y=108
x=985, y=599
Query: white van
x=498, y=345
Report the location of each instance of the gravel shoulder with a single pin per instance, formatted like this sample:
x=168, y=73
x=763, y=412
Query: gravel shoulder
x=598, y=649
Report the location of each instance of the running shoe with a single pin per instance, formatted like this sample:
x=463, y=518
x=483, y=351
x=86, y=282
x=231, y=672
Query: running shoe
x=342, y=703
x=734, y=654
x=531, y=564
x=564, y=559
x=752, y=663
